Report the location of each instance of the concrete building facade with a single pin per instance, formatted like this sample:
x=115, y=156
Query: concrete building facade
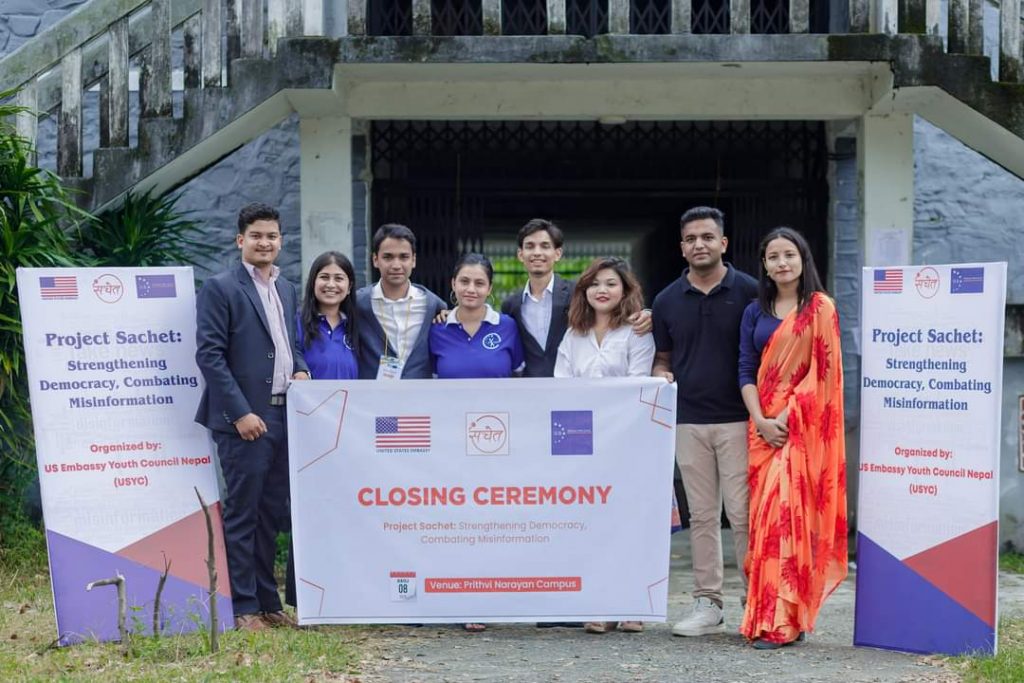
x=315, y=151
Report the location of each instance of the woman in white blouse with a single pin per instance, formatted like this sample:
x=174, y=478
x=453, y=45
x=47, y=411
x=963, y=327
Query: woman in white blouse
x=600, y=343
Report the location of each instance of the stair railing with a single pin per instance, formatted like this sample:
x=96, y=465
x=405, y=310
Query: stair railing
x=95, y=45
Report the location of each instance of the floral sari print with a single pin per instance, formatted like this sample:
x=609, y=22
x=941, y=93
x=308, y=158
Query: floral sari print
x=797, y=553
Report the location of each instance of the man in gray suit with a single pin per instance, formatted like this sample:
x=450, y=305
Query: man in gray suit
x=395, y=314
x=246, y=350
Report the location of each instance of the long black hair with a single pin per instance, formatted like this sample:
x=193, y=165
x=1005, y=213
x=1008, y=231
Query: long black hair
x=310, y=311
x=809, y=283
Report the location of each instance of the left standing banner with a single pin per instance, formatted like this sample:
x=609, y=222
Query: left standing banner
x=114, y=388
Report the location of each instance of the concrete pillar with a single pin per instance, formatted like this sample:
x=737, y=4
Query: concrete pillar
x=325, y=186
x=885, y=165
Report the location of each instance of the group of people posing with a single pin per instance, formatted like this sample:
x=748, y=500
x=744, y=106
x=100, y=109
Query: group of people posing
x=757, y=363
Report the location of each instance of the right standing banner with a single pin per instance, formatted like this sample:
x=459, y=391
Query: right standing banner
x=928, y=503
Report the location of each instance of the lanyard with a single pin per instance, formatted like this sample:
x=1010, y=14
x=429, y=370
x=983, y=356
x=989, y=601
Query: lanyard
x=399, y=333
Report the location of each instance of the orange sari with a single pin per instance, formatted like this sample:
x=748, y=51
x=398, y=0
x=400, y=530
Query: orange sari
x=797, y=552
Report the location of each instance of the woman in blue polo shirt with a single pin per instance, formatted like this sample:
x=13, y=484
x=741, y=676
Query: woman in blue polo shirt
x=326, y=325
x=476, y=341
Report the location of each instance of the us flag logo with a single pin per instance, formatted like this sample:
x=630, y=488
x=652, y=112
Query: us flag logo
x=402, y=432
x=888, y=281
x=58, y=287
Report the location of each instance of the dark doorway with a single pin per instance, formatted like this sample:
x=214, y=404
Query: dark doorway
x=460, y=185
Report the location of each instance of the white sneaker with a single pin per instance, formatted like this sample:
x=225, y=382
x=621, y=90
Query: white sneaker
x=704, y=620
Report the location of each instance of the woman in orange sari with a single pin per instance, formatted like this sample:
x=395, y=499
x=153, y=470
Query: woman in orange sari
x=791, y=378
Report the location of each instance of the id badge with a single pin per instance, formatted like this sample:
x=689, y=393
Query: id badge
x=390, y=368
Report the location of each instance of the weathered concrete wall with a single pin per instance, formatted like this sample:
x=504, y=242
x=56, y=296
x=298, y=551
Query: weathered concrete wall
x=966, y=208
x=266, y=169
x=20, y=20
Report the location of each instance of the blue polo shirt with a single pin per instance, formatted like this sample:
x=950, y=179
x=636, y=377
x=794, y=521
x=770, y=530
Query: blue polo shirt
x=329, y=356
x=494, y=351
x=703, y=333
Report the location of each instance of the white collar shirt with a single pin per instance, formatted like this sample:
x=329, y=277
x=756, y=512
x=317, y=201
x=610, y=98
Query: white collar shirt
x=536, y=313
x=401, y=319
x=622, y=353
x=490, y=316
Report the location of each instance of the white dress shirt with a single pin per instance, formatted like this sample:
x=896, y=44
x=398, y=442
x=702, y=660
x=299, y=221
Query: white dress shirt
x=401, y=319
x=622, y=353
x=536, y=313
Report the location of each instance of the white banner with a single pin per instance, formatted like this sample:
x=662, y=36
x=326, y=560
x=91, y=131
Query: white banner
x=114, y=388
x=501, y=500
x=928, y=507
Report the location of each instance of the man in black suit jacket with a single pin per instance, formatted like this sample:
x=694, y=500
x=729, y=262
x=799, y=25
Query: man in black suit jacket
x=246, y=350
x=541, y=310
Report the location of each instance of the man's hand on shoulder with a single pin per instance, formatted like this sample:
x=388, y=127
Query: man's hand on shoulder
x=641, y=322
x=442, y=317
x=250, y=427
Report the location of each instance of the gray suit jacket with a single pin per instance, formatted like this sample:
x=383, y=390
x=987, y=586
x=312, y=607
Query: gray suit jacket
x=234, y=349
x=540, y=362
x=371, y=337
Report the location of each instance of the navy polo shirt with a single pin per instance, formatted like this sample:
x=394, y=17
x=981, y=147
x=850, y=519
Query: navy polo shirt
x=703, y=333
x=494, y=351
x=329, y=356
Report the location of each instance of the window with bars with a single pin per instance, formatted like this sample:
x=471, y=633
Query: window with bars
x=456, y=17
x=524, y=17
x=389, y=17
x=585, y=17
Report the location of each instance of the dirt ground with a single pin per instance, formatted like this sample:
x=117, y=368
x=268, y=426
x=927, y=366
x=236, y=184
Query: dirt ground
x=522, y=652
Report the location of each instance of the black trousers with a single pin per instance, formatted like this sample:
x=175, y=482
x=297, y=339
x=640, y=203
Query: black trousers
x=255, y=509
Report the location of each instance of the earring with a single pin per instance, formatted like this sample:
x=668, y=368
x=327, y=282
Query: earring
x=453, y=298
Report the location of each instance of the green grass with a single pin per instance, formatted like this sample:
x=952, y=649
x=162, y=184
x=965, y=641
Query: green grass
x=1006, y=667
x=27, y=631
x=1012, y=562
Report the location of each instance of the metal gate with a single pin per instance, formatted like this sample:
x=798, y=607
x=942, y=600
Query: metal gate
x=453, y=182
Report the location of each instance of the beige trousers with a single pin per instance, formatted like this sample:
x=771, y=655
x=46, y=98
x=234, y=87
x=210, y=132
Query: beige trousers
x=713, y=462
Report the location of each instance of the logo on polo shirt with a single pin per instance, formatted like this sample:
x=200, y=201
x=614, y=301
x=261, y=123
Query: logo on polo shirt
x=491, y=341
x=572, y=432
x=487, y=433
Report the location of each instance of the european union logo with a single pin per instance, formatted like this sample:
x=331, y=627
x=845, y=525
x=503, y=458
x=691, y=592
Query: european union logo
x=572, y=432
x=155, y=287
x=967, y=281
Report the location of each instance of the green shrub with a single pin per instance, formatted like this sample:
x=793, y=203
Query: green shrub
x=145, y=231
x=36, y=220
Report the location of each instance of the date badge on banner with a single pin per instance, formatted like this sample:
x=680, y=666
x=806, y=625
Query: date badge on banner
x=403, y=586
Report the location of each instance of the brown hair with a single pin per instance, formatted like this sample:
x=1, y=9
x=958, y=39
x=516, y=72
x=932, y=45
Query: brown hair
x=581, y=315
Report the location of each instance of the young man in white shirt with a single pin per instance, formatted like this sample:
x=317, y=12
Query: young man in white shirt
x=395, y=314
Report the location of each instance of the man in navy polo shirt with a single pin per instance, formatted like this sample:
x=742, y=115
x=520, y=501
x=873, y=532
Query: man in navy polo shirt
x=696, y=333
